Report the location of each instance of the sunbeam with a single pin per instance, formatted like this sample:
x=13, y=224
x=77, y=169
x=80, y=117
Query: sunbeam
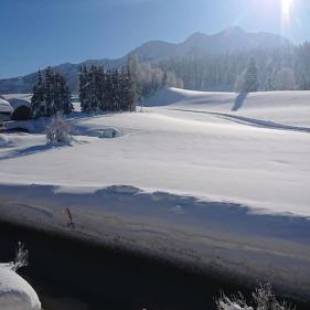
x=287, y=6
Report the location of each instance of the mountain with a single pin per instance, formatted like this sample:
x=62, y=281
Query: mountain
x=230, y=40
x=198, y=44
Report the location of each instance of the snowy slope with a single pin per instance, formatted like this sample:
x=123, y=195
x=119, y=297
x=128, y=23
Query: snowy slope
x=283, y=107
x=189, y=178
x=15, y=292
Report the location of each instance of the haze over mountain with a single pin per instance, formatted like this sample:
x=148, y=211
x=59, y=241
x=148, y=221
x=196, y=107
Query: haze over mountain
x=198, y=44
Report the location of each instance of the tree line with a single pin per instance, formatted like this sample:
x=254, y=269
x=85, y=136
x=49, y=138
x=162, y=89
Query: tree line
x=118, y=89
x=286, y=68
x=106, y=90
x=50, y=95
x=100, y=90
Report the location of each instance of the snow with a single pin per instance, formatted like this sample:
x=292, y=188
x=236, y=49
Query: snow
x=4, y=141
x=15, y=292
x=190, y=178
x=5, y=106
x=17, y=100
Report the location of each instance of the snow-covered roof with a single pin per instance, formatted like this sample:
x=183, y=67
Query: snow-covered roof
x=17, y=100
x=5, y=106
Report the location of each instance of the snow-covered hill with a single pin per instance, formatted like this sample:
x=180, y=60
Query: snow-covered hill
x=208, y=178
x=287, y=108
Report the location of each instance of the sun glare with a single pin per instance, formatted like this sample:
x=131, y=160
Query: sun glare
x=287, y=6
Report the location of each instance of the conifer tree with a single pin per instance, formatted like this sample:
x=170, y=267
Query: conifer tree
x=107, y=90
x=50, y=92
x=83, y=84
x=50, y=95
x=132, y=83
x=38, y=106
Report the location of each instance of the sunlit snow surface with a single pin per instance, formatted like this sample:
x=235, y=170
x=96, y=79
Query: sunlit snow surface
x=215, y=179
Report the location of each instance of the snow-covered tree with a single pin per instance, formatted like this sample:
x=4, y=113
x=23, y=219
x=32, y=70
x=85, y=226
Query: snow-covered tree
x=302, y=68
x=58, y=132
x=50, y=95
x=84, y=89
x=107, y=90
x=263, y=299
x=134, y=89
x=38, y=104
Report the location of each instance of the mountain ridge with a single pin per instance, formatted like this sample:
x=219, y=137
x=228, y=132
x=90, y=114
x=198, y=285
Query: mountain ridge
x=233, y=39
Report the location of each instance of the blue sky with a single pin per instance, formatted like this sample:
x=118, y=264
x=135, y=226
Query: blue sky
x=37, y=33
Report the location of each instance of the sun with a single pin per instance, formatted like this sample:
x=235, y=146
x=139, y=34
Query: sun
x=287, y=6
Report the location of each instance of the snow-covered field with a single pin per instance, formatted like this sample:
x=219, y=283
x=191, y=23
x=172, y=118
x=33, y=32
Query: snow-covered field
x=214, y=179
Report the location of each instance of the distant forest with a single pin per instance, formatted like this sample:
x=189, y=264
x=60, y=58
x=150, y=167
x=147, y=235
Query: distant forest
x=277, y=69
x=100, y=90
x=117, y=89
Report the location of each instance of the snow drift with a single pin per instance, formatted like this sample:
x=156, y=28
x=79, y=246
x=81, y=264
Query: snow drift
x=4, y=141
x=15, y=292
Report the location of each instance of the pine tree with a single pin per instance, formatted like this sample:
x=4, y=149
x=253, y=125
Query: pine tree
x=124, y=89
x=132, y=83
x=100, y=84
x=108, y=91
x=64, y=104
x=50, y=95
x=111, y=90
x=83, y=88
x=49, y=92
x=38, y=106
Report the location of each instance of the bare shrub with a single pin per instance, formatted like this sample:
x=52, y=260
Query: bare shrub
x=58, y=132
x=263, y=299
x=21, y=257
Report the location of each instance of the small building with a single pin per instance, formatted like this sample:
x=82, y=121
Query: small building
x=21, y=106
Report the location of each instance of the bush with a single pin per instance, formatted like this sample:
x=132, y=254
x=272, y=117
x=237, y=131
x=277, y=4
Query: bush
x=58, y=132
x=21, y=257
x=263, y=299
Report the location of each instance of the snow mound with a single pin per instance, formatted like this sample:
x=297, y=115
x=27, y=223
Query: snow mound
x=108, y=133
x=31, y=126
x=102, y=133
x=15, y=292
x=5, y=141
